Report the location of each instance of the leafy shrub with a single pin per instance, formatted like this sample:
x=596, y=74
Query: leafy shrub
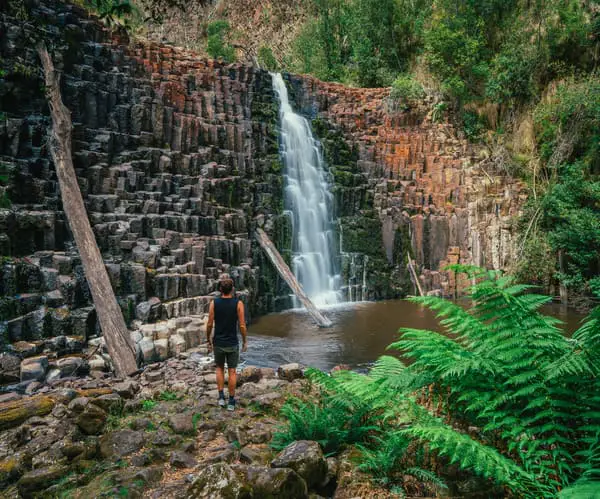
x=333, y=423
x=510, y=76
x=502, y=381
x=266, y=58
x=217, y=44
x=472, y=125
x=112, y=12
x=407, y=91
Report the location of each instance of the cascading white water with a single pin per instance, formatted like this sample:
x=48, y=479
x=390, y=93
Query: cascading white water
x=310, y=203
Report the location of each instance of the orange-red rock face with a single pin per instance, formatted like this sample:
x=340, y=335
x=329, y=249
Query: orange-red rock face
x=423, y=176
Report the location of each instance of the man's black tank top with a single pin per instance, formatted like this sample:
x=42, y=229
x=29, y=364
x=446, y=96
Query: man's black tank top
x=226, y=322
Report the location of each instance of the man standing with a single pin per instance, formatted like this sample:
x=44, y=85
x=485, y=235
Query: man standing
x=227, y=312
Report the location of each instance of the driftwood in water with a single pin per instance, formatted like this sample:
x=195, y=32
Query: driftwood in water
x=285, y=272
x=414, y=275
x=109, y=313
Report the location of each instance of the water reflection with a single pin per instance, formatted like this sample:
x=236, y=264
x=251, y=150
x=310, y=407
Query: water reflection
x=360, y=334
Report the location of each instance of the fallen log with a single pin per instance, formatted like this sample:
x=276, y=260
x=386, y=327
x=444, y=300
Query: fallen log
x=414, y=275
x=109, y=313
x=287, y=275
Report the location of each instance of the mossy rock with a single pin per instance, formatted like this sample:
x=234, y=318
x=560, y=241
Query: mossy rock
x=13, y=413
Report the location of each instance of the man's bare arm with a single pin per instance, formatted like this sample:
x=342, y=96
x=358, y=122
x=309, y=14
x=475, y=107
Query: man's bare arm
x=242, y=322
x=210, y=323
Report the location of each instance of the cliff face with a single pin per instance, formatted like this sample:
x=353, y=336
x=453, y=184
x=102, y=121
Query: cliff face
x=412, y=185
x=177, y=159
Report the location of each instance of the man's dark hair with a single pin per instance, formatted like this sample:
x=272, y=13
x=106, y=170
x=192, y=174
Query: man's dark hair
x=226, y=286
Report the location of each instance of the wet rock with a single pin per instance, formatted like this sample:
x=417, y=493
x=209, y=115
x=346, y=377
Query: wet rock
x=217, y=481
x=182, y=423
x=121, y=443
x=34, y=368
x=249, y=374
x=180, y=459
x=290, y=372
x=39, y=479
x=306, y=458
x=92, y=419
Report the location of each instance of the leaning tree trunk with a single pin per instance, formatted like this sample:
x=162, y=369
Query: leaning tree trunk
x=109, y=313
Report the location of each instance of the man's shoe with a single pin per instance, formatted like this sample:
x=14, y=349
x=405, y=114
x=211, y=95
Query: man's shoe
x=221, y=402
x=231, y=405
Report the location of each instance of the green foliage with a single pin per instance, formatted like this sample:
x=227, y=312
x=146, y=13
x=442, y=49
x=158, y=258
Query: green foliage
x=360, y=41
x=148, y=405
x=502, y=370
x=113, y=12
x=407, y=91
x=169, y=396
x=217, y=45
x=333, y=423
x=472, y=125
x=266, y=58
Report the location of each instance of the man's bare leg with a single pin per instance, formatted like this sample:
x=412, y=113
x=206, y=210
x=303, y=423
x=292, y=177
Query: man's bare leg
x=220, y=378
x=232, y=382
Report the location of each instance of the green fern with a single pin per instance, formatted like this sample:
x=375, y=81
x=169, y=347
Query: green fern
x=502, y=369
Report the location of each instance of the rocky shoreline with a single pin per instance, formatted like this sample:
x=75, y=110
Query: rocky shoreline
x=161, y=434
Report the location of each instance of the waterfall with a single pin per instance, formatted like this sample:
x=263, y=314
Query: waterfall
x=310, y=203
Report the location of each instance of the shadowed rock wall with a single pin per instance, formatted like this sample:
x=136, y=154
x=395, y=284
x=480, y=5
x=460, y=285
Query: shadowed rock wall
x=177, y=160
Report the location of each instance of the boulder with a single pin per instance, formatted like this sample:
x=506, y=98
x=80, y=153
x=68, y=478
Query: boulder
x=111, y=403
x=177, y=344
x=161, y=347
x=182, y=423
x=127, y=389
x=39, y=479
x=275, y=483
x=34, y=368
x=72, y=366
x=148, y=311
x=10, y=366
x=147, y=349
x=217, y=481
x=91, y=420
x=290, y=372
x=180, y=459
x=249, y=374
x=305, y=458
x=121, y=443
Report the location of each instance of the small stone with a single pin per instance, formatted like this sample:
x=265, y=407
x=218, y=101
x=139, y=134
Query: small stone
x=180, y=459
x=161, y=438
x=267, y=400
x=182, y=423
x=121, y=443
x=154, y=376
x=111, y=403
x=78, y=404
x=91, y=420
x=127, y=389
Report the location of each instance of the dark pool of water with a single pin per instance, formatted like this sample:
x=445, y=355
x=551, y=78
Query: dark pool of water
x=360, y=333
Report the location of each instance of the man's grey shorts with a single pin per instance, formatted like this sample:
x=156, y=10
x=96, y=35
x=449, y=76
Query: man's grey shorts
x=231, y=355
